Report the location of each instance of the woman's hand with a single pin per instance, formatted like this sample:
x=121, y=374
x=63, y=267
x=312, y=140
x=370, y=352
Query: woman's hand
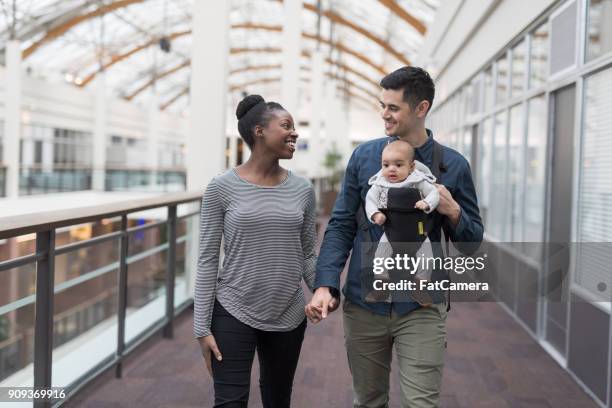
x=208, y=345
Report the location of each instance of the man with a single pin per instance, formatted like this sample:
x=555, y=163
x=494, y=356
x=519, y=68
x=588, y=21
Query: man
x=372, y=329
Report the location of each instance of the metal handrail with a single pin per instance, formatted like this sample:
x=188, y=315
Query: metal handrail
x=29, y=223
x=45, y=225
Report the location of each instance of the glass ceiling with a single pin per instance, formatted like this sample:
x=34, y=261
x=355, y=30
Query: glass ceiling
x=70, y=40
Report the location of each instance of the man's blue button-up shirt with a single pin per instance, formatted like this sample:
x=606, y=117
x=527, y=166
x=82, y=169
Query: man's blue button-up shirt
x=343, y=235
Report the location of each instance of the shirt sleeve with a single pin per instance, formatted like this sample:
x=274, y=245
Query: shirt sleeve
x=430, y=192
x=211, y=229
x=371, y=201
x=467, y=235
x=341, y=230
x=309, y=237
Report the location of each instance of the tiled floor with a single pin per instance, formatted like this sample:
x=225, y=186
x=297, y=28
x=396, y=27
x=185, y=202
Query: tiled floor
x=490, y=362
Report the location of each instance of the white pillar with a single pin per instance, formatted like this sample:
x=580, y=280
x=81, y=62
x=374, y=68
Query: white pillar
x=152, y=140
x=336, y=123
x=206, y=142
x=100, y=135
x=205, y=146
x=317, y=100
x=48, y=150
x=233, y=150
x=291, y=40
x=246, y=152
x=12, y=121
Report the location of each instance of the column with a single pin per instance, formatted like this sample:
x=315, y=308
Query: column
x=100, y=133
x=233, y=150
x=12, y=121
x=205, y=147
x=316, y=95
x=291, y=40
x=152, y=140
x=208, y=93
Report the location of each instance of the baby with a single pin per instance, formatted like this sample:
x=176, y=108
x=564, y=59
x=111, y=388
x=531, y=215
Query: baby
x=400, y=170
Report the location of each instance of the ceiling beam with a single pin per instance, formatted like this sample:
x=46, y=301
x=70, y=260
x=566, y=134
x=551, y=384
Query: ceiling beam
x=175, y=98
x=120, y=57
x=156, y=77
x=400, y=12
x=336, y=18
x=338, y=45
x=61, y=29
x=237, y=87
x=187, y=63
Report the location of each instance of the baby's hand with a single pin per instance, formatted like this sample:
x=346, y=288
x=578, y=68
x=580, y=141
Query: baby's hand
x=422, y=205
x=379, y=218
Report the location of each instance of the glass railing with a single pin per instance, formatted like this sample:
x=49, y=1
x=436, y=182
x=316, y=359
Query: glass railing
x=78, y=294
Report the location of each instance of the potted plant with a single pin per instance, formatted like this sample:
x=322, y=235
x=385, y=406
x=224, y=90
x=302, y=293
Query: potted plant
x=332, y=163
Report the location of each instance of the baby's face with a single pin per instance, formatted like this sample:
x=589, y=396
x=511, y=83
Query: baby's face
x=396, y=165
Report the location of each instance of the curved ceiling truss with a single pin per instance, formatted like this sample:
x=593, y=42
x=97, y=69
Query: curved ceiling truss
x=60, y=22
x=242, y=87
x=61, y=27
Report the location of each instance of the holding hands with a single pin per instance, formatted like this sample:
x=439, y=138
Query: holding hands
x=321, y=304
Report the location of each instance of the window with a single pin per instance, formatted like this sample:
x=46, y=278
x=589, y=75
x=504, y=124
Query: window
x=519, y=65
x=514, y=230
x=539, y=57
x=474, y=89
x=466, y=146
x=535, y=169
x=498, y=175
x=72, y=147
x=488, y=89
x=595, y=189
x=484, y=167
x=599, y=35
x=1, y=142
x=563, y=39
x=501, y=89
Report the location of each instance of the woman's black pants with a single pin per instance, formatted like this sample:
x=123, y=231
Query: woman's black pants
x=278, y=354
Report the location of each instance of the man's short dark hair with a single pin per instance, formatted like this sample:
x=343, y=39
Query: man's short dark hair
x=416, y=83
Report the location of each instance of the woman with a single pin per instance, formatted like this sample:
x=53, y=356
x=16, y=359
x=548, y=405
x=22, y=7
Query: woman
x=255, y=302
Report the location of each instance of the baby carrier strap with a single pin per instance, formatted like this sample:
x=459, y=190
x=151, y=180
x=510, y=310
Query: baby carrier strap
x=437, y=168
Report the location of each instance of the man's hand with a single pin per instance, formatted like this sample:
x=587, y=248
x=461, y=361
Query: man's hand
x=379, y=218
x=447, y=205
x=321, y=304
x=208, y=345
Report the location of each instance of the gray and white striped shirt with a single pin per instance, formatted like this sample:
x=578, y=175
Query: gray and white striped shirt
x=269, y=246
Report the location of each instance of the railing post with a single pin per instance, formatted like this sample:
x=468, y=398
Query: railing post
x=122, y=297
x=43, y=335
x=170, y=271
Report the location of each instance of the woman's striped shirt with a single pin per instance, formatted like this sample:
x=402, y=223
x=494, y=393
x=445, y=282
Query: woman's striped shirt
x=269, y=247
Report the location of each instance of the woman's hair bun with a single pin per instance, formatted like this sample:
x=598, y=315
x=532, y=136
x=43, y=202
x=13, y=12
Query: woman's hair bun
x=247, y=104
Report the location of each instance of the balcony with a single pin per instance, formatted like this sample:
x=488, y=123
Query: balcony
x=82, y=288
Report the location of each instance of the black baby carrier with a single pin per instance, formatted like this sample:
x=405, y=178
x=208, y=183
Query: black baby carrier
x=407, y=230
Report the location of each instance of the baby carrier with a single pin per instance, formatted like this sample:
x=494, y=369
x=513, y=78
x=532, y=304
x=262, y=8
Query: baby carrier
x=407, y=230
